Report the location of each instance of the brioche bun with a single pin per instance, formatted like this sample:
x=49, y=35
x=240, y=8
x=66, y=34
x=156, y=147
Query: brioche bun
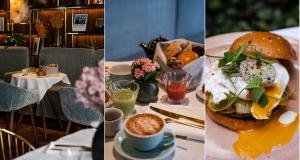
x=269, y=45
x=235, y=124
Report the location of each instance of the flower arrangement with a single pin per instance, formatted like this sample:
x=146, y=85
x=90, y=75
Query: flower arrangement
x=41, y=29
x=144, y=70
x=90, y=88
x=57, y=19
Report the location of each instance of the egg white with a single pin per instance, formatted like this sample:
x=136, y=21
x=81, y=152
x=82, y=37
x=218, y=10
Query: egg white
x=220, y=85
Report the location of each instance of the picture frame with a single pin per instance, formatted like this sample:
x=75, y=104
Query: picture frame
x=2, y=21
x=79, y=22
x=36, y=45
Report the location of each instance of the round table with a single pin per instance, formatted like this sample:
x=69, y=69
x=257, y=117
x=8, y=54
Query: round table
x=39, y=84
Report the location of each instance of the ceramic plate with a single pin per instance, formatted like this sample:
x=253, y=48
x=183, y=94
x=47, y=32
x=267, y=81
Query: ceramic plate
x=124, y=148
x=218, y=139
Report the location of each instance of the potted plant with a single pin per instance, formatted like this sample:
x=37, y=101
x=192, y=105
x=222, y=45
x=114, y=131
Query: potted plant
x=14, y=40
x=145, y=71
x=41, y=30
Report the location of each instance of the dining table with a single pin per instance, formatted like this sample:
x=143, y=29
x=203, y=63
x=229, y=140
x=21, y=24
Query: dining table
x=184, y=148
x=82, y=137
x=39, y=84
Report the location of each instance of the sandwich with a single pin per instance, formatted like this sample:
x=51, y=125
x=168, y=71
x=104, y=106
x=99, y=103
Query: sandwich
x=247, y=85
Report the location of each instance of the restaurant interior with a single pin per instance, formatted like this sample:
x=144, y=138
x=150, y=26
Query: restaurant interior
x=44, y=46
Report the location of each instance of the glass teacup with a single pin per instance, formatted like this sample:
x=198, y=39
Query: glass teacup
x=176, y=83
x=124, y=94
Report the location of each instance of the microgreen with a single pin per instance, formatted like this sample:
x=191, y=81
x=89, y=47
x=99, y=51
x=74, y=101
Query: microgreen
x=231, y=60
x=257, y=91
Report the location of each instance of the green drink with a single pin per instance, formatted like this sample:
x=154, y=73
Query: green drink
x=124, y=99
x=124, y=95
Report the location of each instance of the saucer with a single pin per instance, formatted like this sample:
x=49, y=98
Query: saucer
x=125, y=149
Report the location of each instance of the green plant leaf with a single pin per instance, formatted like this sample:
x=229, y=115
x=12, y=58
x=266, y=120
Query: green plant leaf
x=256, y=93
x=263, y=101
x=255, y=82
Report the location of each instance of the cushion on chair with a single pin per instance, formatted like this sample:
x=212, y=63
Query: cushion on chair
x=14, y=98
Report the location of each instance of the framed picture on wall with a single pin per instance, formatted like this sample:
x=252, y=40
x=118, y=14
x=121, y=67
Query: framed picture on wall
x=1, y=24
x=36, y=45
x=79, y=22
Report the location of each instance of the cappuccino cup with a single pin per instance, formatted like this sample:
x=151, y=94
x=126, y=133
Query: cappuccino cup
x=147, y=131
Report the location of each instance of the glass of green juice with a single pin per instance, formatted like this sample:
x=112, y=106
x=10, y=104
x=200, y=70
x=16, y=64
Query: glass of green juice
x=124, y=95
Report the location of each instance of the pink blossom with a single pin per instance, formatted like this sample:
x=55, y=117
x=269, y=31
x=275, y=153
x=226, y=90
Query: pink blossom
x=90, y=87
x=138, y=73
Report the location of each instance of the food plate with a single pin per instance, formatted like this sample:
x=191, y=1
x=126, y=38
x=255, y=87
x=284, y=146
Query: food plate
x=123, y=148
x=222, y=143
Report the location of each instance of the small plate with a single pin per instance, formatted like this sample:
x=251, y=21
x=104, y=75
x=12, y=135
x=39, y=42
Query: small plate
x=124, y=148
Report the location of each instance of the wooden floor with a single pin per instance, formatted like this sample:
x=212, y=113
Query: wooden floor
x=24, y=129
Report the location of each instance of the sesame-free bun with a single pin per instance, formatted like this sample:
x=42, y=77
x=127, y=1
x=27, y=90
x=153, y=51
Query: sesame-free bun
x=269, y=45
x=235, y=124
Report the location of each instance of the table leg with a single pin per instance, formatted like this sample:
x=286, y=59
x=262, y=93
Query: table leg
x=68, y=127
x=11, y=122
x=55, y=109
x=44, y=121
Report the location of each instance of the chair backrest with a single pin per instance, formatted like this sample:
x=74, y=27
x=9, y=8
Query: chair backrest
x=14, y=98
x=71, y=60
x=75, y=111
x=13, y=145
x=13, y=59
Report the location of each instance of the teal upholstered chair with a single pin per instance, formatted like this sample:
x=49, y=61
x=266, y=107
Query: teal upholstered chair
x=14, y=98
x=71, y=60
x=13, y=59
x=75, y=111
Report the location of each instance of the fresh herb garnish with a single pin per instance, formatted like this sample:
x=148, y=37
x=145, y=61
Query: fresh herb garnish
x=257, y=91
x=231, y=60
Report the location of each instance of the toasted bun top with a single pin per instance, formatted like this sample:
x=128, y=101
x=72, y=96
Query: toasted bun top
x=269, y=45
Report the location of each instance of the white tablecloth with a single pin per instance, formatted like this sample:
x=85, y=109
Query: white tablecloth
x=194, y=150
x=38, y=84
x=82, y=137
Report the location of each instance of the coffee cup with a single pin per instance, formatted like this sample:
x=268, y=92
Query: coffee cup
x=147, y=131
x=113, y=121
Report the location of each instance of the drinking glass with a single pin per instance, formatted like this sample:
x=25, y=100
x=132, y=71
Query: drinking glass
x=124, y=94
x=176, y=83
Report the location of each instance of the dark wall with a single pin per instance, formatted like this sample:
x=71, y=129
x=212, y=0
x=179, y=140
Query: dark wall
x=246, y=15
x=4, y=4
x=130, y=22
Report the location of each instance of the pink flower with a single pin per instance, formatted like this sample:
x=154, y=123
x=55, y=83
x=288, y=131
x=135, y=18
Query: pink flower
x=138, y=73
x=144, y=66
x=147, y=68
x=90, y=88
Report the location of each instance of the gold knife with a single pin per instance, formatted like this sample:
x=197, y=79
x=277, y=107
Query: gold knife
x=176, y=115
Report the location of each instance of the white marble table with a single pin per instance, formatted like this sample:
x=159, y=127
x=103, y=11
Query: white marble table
x=82, y=137
x=193, y=150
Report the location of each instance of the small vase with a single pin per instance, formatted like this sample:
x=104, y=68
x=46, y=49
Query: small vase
x=148, y=92
x=57, y=38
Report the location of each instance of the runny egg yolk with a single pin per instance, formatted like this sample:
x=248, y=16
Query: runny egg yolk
x=253, y=143
x=264, y=112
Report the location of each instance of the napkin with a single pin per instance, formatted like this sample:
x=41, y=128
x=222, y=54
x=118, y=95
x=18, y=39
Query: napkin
x=179, y=129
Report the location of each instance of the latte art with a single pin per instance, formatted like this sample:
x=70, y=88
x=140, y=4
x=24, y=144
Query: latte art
x=144, y=124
